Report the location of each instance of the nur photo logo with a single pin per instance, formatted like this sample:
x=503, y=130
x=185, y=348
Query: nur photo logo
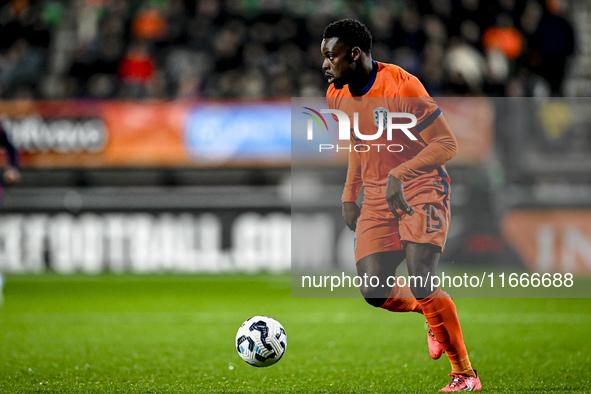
x=385, y=122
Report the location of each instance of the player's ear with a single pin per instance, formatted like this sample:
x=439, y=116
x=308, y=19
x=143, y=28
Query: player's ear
x=355, y=53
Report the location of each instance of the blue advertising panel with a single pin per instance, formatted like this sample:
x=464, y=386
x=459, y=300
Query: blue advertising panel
x=222, y=132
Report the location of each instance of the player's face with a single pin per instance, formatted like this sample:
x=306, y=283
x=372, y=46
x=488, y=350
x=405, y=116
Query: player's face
x=338, y=62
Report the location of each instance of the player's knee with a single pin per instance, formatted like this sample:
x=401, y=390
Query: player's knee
x=422, y=286
x=373, y=296
x=420, y=292
x=376, y=302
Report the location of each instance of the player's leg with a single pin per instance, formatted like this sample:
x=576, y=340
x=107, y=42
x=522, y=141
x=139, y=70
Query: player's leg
x=392, y=298
x=424, y=235
x=380, y=265
x=378, y=253
x=429, y=257
x=422, y=260
x=438, y=307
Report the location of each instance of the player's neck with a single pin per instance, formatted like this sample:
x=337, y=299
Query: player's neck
x=364, y=75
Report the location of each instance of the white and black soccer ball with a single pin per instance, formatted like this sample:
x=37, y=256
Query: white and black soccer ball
x=261, y=341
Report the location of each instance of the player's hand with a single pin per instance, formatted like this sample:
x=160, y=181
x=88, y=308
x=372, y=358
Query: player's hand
x=351, y=212
x=11, y=175
x=395, y=197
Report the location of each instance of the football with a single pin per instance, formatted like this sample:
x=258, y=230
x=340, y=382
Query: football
x=261, y=341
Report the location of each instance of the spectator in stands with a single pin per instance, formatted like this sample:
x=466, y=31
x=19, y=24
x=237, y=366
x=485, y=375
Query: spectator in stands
x=136, y=70
x=502, y=44
x=149, y=24
x=551, y=45
x=24, y=39
x=466, y=68
x=20, y=67
x=504, y=37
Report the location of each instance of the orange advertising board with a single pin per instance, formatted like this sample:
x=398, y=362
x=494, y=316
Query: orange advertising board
x=553, y=240
x=145, y=134
x=96, y=133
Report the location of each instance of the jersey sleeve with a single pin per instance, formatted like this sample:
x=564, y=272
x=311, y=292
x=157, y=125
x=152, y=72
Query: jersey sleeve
x=353, y=183
x=441, y=147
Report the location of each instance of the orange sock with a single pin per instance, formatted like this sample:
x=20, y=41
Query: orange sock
x=440, y=312
x=401, y=299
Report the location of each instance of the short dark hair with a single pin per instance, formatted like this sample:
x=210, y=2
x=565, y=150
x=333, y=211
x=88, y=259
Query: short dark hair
x=351, y=32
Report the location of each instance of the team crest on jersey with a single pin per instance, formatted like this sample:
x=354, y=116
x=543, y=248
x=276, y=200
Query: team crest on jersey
x=376, y=117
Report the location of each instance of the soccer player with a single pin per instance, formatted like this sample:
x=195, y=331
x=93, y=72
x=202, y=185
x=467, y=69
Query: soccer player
x=11, y=173
x=10, y=176
x=406, y=208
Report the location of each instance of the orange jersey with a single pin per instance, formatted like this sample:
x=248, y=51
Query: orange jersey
x=394, y=90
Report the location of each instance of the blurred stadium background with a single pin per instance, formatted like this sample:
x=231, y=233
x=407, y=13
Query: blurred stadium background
x=143, y=128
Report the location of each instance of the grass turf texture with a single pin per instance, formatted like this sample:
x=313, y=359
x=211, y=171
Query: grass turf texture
x=176, y=334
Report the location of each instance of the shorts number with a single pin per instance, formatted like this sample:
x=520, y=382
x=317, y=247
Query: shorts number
x=433, y=214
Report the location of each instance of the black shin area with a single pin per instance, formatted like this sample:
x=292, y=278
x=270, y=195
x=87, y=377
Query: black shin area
x=381, y=266
x=377, y=302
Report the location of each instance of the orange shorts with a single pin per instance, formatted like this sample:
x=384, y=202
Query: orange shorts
x=428, y=225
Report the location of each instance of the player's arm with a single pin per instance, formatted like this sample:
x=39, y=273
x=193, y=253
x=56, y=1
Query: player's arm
x=11, y=172
x=353, y=185
x=435, y=132
x=441, y=147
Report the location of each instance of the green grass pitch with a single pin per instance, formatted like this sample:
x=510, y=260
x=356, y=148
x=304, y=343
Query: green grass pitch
x=161, y=334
